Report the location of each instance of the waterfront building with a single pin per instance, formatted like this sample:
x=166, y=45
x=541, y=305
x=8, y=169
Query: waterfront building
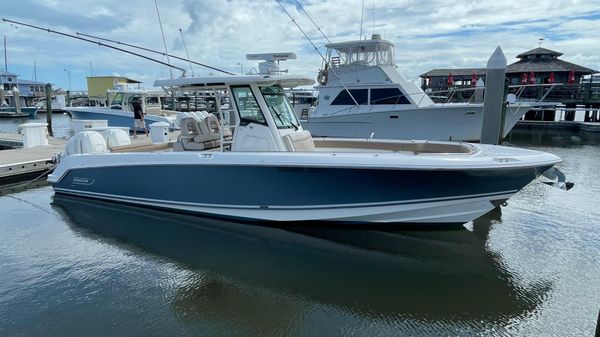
x=534, y=67
x=99, y=85
x=28, y=90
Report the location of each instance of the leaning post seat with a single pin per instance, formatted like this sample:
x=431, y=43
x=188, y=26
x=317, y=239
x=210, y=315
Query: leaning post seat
x=199, y=135
x=213, y=125
x=299, y=141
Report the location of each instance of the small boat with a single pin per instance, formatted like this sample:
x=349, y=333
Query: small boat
x=58, y=103
x=11, y=112
x=361, y=94
x=266, y=167
x=119, y=113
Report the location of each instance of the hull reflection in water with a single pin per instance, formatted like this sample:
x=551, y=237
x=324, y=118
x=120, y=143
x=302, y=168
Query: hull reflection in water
x=448, y=277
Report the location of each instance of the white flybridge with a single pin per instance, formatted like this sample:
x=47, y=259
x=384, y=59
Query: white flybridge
x=361, y=94
x=260, y=165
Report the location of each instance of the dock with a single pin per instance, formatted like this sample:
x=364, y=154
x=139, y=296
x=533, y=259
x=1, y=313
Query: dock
x=593, y=127
x=21, y=166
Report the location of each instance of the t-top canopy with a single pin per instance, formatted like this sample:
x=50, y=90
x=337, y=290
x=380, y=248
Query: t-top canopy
x=366, y=45
x=211, y=82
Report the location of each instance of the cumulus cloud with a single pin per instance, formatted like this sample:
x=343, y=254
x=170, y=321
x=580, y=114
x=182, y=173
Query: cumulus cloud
x=432, y=34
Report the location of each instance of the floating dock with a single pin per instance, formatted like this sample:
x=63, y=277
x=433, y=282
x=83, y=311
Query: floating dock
x=558, y=125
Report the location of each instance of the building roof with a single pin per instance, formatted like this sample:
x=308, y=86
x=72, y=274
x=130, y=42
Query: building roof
x=455, y=72
x=546, y=65
x=30, y=82
x=524, y=65
x=129, y=80
x=539, y=51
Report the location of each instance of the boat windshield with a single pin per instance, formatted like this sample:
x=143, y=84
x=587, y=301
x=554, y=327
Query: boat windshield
x=280, y=107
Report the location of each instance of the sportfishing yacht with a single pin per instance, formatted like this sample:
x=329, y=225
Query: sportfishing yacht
x=265, y=167
x=361, y=94
x=119, y=112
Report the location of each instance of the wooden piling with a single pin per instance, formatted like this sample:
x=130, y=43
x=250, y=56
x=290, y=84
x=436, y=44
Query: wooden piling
x=17, y=100
x=49, y=108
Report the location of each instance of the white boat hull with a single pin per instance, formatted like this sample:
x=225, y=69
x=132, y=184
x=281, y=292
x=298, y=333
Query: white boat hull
x=441, y=122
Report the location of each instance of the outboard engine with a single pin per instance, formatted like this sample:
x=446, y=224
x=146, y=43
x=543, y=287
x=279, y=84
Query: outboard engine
x=115, y=137
x=86, y=142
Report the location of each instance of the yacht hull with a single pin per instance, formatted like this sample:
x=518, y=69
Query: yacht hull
x=118, y=118
x=443, y=122
x=292, y=192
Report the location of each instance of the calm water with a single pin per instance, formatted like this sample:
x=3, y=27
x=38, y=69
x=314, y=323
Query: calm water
x=61, y=124
x=79, y=268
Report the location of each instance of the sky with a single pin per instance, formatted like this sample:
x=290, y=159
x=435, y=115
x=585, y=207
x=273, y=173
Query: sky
x=427, y=34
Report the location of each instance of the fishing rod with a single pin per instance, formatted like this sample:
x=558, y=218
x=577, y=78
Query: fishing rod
x=318, y=51
x=311, y=20
x=96, y=42
x=155, y=51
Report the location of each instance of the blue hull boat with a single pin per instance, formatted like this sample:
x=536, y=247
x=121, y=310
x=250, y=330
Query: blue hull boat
x=11, y=111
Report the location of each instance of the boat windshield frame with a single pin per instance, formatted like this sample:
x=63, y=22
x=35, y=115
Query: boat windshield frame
x=368, y=54
x=280, y=107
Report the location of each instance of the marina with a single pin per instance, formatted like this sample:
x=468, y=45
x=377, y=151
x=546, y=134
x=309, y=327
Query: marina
x=154, y=183
x=526, y=269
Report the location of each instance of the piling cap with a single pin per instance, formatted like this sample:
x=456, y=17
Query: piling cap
x=497, y=60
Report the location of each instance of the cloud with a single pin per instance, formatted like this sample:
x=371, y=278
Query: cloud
x=432, y=34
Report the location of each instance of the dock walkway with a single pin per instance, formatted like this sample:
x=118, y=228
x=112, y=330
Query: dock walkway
x=18, y=164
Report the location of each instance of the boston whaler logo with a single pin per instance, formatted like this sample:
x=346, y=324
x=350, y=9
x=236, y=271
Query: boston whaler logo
x=83, y=181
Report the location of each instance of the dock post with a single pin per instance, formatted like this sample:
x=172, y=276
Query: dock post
x=173, y=100
x=478, y=94
x=68, y=98
x=2, y=97
x=494, y=99
x=17, y=100
x=49, y=108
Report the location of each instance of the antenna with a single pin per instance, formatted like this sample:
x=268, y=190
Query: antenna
x=163, y=37
x=540, y=41
x=362, y=14
x=316, y=49
x=155, y=51
x=34, y=71
x=186, y=51
x=373, y=18
x=97, y=43
x=5, y=59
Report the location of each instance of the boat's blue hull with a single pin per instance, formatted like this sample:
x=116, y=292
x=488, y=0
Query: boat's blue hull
x=28, y=111
x=303, y=193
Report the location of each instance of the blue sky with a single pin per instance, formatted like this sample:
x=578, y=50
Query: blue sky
x=432, y=34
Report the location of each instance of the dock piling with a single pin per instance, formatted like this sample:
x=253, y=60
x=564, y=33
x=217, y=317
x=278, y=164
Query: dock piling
x=2, y=97
x=494, y=98
x=49, y=108
x=17, y=100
